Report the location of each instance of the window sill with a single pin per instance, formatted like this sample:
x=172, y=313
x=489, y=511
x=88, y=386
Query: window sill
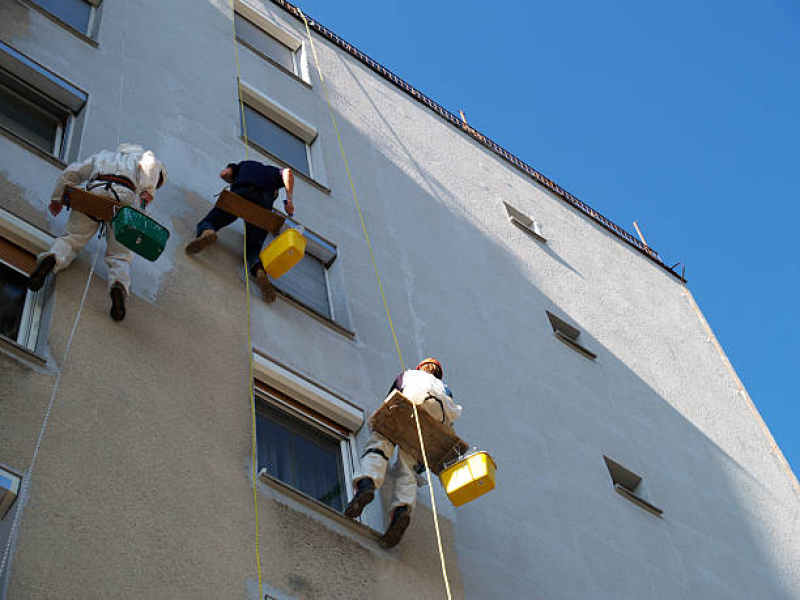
x=322, y=188
x=63, y=24
x=317, y=506
x=641, y=502
x=35, y=149
x=21, y=352
x=316, y=315
x=575, y=345
x=275, y=64
x=528, y=230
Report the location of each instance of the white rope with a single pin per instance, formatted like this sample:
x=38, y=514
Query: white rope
x=26, y=484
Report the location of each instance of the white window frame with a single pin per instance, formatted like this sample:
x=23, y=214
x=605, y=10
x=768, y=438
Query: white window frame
x=568, y=334
x=284, y=117
x=35, y=241
x=527, y=224
x=91, y=26
x=319, y=400
x=52, y=89
x=285, y=37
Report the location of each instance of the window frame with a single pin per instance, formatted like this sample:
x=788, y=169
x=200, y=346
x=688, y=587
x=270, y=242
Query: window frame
x=272, y=153
x=92, y=27
x=568, y=334
x=38, y=305
x=30, y=81
x=269, y=27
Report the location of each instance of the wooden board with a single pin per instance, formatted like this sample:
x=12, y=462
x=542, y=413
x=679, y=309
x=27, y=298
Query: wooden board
x=395, y=420
x=99, y=207
x=250, y=212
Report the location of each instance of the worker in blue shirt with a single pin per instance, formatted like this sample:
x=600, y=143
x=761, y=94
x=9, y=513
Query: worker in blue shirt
x=260, y=184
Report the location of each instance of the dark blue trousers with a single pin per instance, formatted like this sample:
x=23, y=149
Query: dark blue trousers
x=216, y=219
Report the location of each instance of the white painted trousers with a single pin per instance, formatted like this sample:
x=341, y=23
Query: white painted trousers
x=80, y=230
x=374, y=463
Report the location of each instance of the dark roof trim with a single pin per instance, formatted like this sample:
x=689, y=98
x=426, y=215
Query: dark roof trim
x=479, y=137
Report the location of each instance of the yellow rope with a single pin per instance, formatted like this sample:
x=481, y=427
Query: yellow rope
x=385, y=303
x=253, y=444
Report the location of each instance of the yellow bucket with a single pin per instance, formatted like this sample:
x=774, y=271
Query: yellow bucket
x=283, y=253
x=469, y=478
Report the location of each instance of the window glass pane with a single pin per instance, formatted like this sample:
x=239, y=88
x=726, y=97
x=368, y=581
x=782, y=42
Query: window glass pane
x=300, y=456
x=306, y=283
x=13, y=290
x=264, y=43
x=276, y=140
x=28, y=121
x=73, y=12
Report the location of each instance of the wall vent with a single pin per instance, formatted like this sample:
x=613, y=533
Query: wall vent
x=524, y=222
x=568, y=334
x=627, y=483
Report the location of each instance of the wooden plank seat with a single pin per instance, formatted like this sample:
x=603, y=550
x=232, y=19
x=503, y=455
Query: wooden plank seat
x=394, y=419
x=94, y=205
x=252, y=213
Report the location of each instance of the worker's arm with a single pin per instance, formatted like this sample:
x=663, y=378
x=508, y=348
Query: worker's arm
x=397, y=384
x=288, y=183
x=149, y=170
x=75, y=174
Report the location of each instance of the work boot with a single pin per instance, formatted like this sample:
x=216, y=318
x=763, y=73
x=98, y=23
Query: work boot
x=206, y=238
x=117, y=302
x=401, y=519
x=266, y=287
x=40, y=273
x=365, y=492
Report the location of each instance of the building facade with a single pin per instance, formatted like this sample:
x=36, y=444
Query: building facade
x=632, y=462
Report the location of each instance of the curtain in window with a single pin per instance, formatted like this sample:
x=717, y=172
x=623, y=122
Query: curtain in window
x=300, y=456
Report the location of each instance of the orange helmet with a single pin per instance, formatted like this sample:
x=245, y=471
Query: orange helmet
x=432, y=361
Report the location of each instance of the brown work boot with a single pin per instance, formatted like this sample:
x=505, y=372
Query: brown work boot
x=117, y=302
x=401, y=519
x=40, y=273
x=266, y=287
x=208, y=237
x=365, y=493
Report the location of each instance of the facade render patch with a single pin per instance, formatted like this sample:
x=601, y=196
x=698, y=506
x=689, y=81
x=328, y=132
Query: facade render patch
x=147, y=458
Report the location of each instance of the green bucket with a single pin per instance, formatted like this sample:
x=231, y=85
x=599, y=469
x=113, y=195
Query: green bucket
x=139, y=232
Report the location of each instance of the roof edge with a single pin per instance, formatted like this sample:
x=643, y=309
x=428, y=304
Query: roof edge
x=507, y=156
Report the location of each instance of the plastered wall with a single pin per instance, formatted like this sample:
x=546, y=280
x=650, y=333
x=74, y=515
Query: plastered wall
x=142, y=488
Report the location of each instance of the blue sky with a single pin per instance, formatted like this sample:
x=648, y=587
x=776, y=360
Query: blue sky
x=680, y=115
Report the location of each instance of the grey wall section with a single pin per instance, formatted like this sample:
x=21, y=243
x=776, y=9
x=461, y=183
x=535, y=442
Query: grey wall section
x=142, y=488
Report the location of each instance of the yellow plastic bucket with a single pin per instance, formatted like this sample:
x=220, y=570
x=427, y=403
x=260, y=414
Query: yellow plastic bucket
x=283, y=253
x=469, y=478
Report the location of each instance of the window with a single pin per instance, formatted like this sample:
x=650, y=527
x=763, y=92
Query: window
x=264, y=44
x=524, y=222
x=20, y=309
x=628, y=485
x=37, y=106
x=277, y=140
x=302, y=448
x=78, y=14
x=569, y=335
x=10, y=483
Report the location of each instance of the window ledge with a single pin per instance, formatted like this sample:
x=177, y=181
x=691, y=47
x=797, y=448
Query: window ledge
x=12, y=348
x=35, y=149
x=529, y=230
x=274, y=63
x=310, y=180
x=575, y=345
x=316, y=315
x=63, y=24
x=318, y=506
x=641, y=502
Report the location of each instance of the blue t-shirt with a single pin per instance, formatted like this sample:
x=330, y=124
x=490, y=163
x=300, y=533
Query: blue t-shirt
x=266, y=177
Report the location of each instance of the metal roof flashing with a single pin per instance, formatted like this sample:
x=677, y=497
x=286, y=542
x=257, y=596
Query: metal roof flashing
x=460, y=124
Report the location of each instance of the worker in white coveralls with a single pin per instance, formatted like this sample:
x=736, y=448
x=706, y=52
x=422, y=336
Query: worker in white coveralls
x=425, y=388
x=129, y=175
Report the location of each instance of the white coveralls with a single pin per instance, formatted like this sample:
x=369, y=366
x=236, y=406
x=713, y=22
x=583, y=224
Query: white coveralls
x=429, y=394
x=130, y=161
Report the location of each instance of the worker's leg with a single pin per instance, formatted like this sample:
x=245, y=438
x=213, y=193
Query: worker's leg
x=405, y=485
x=255, y=241
x=119, y=259
x=207, y=229
x=374, y=462
x=64, y=249
x=403, y=500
